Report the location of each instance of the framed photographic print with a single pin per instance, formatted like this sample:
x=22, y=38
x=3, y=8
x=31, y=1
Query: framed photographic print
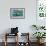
x=41, y=8
x=41, y=12
x=17, y=13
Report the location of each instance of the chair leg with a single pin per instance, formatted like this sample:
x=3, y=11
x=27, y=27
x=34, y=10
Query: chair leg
x=5, y=43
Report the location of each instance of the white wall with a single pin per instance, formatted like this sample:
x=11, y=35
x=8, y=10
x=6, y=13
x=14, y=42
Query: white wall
x=23, y=24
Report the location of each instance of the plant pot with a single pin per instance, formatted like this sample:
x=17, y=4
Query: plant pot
x=40, y=41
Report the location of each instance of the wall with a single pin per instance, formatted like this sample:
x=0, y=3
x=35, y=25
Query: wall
x=23, y=24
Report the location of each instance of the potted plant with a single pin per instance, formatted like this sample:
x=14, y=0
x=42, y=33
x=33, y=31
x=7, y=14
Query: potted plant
x=39, y=35
x=42, y=27
x=38, y=27
x=35, y=26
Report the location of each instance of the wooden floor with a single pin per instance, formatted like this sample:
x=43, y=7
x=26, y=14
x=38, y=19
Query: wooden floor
x=13, y=44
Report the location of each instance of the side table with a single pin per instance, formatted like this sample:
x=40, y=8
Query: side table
x=8, y=34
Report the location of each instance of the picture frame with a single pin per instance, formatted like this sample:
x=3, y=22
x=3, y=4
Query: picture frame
x=41, y=8
x=40, y=12
x=17, y=13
